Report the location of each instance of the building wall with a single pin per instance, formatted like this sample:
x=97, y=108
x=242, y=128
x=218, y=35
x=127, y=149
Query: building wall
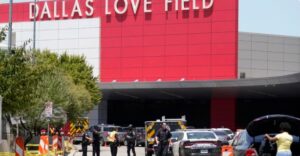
x=171, y=46
x=262, y=55
x=165, y=44
x=73, y=36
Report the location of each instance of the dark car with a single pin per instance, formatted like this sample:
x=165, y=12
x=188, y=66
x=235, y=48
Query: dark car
x=198, y=143
x=140, y=136
x=252, y=140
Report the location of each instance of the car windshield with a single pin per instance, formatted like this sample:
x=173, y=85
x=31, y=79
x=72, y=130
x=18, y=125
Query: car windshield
x=109, y=129
x=139, y=130
x=220, y=133
x=228, y=131
x=123, y=129
x=177, y=136
x=200, y=135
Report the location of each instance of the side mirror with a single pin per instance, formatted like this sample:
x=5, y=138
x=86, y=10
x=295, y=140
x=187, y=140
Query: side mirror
x=174, y=139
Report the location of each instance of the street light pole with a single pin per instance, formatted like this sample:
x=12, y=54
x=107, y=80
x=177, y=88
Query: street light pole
x=34, y=25
x=1, y=119
x=10, y=25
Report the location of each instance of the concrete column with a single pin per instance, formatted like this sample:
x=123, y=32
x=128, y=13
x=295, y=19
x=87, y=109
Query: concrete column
x=103, y=106
x=223, y=112
x=93, y=116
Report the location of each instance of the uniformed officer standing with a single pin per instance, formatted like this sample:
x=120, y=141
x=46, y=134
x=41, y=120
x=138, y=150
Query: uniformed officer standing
x=96, y=141
x=163, y=139
x=86, y=140
x=130, y=138
x=114, y=142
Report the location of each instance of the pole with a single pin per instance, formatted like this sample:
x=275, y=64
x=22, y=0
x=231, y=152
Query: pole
x=10, y=26
x=34, y=25
x=1, y=119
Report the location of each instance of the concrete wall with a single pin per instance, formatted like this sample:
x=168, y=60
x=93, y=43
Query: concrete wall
x=261, y=55
x=76, y=36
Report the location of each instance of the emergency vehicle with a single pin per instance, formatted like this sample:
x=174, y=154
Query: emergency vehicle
x=77, y=128
x=152, y=128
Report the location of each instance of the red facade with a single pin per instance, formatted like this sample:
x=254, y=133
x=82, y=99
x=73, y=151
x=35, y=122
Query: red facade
x=168, y=45
x=173, y=45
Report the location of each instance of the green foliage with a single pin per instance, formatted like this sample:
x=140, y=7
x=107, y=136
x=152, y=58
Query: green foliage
x=2, y=33
x=29, y=79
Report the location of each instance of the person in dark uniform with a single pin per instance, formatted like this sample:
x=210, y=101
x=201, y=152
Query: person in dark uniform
x=96, y=141
x=86, y=140
x=114, y=142
x=130, y=139
x=163, y=139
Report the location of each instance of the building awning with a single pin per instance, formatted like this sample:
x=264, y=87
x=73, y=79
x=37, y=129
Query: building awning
x=272, y=87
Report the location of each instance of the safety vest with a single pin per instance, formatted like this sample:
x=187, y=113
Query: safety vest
x=44, y=145
x=112, y=136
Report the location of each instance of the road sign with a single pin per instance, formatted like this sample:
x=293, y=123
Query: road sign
x=48, y=109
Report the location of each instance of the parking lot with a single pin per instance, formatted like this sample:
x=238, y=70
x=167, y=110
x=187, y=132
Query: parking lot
x=105, y=151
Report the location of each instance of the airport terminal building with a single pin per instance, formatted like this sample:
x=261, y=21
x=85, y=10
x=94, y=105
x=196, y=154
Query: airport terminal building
x=169, y=57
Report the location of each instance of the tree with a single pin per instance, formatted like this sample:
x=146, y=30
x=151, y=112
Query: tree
x=2, y=34
x=29, y=78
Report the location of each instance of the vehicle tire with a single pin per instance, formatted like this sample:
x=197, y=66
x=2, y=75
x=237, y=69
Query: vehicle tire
x=179, y=152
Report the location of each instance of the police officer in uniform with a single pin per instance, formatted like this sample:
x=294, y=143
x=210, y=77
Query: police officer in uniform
x=96, y=141
x=86, y=140
x=130, y=138
x=163, y=139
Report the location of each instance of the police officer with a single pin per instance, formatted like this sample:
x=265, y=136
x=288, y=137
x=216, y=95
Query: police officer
x=130, y=138
x=86, y=140
x=114, y=142
x=163, y=139
x=96, y=141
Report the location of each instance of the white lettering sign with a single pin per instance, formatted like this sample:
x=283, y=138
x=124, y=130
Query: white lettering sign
x=47, y=12
x=117, y=6
x=90, y=9
x=124, y=8
x=76, y=9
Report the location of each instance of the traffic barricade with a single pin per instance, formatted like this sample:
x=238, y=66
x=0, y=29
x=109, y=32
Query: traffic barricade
x=20, y=148
x=44, y=145
x=227, y=150
x=54, y=143
x=32, y=150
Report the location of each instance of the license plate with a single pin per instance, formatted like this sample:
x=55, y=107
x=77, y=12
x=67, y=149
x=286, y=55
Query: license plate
x=204, y=151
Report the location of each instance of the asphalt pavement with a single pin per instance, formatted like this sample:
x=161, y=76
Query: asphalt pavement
x=105, y=151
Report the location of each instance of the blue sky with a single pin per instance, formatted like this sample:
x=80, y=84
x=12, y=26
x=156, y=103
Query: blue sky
x=265, y=16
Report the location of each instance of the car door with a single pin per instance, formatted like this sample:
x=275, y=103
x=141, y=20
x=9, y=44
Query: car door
x=176, y=138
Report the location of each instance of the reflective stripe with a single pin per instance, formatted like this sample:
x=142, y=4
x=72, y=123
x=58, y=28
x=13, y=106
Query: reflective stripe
x=19, y=150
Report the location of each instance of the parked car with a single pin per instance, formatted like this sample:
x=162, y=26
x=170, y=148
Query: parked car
x=122, y=135
x=195, y=142
x=228, y=132
x=223, y=137
x=140, y=136
x=252, y=140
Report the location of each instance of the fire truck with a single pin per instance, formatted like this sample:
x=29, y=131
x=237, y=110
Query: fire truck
x=152, y=127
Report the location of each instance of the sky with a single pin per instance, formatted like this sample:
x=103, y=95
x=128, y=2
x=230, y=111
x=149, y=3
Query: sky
x=281, y=17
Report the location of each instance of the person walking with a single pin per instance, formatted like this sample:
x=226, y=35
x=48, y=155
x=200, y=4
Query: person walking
x=163, y=139
x=114, y=142
x=96, y=141
x=130, y=139
x=283, y=140
x=86, y=140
